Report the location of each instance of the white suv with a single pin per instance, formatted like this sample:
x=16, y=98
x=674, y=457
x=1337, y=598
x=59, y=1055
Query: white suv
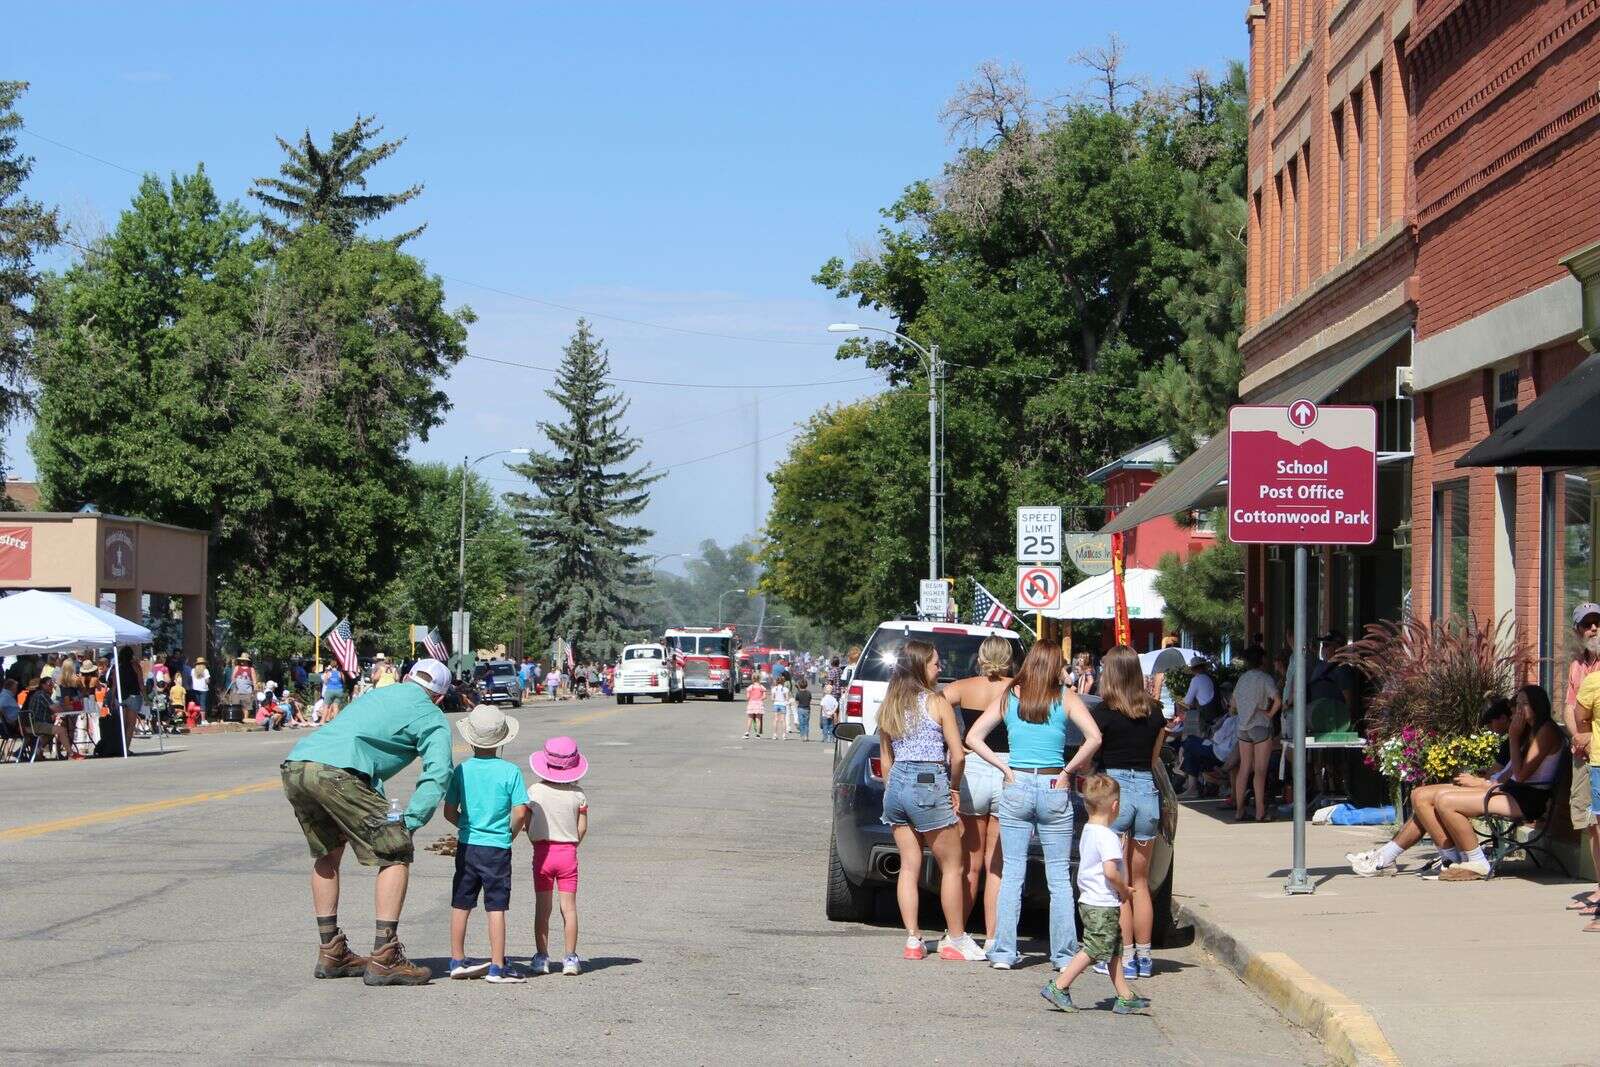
x=958, y=658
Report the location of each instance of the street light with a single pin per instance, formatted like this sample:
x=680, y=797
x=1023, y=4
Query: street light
x=719, y=604
x=931, y=356
x=461, y=559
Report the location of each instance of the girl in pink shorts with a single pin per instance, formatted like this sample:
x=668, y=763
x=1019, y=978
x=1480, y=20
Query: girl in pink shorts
x=559, y=819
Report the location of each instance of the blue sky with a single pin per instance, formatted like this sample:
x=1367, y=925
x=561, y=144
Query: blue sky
x=684, y=165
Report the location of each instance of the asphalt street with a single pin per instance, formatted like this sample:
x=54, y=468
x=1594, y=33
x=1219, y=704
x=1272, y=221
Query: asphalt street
x=156, y=910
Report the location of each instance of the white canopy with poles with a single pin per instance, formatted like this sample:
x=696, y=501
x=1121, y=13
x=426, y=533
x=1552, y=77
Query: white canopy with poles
x=1094, y=598
x=34, y=622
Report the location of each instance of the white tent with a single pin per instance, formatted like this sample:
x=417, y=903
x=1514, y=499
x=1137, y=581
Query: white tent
x=1094, y=598
x=34, y=622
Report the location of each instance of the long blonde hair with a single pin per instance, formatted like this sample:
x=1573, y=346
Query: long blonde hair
x=1122, y=683
x=908, y=685
x=996, y=659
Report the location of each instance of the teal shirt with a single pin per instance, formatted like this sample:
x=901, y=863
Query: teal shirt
x=1034, y=744
x=485, y=789
x=379, y=735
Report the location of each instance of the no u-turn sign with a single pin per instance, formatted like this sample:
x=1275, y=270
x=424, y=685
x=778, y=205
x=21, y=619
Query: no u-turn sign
x=1038, y=587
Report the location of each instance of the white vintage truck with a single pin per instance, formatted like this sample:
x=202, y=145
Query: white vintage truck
x=648, y=670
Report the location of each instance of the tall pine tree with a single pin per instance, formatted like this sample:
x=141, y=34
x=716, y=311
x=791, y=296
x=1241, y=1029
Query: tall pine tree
x=584, y=567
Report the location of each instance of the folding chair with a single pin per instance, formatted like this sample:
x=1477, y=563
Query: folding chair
x=1503, y=837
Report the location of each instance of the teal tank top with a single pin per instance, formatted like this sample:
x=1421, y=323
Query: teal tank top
x=1036, y=744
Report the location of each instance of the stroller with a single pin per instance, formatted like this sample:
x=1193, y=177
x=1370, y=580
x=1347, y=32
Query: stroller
x=580, y=687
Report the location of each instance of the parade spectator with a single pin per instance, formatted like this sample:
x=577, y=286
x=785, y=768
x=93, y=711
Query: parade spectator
x=1256, y=703
x=383, y=672
x=487, y=803
x=40, y=708
x=178, y=695
x=269, y=716
x=1200, y=703
x=981, y=781
x=1132, y=731
x=1036, y=796
x=10, y=721
x=919, y=742
x=331, y=779
x=332, y=683
x=242, y=685
x=1203, y=757
x=200, y=684
x=1157, y=687
x=830, y=712
x=1330, y=680
x=1080, y=679
x=802, y=706
x=755, y=706
x=780, y=709
x=558, y=821
x=1586, y=661
x=1588, y=706
x=1521, y=790
x=1103, y=894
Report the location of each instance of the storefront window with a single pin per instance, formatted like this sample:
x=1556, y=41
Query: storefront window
x=1571, y=510
x=1451, y=536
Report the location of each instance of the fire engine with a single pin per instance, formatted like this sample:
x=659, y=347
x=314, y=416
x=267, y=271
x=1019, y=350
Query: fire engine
x=760, y=658
x=706, y=659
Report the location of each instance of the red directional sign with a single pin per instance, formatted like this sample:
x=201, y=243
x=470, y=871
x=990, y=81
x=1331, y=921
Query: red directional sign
x=1302, y=474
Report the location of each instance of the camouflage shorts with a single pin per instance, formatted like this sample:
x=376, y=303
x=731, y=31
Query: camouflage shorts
x=335, y=806
x=1102, y=931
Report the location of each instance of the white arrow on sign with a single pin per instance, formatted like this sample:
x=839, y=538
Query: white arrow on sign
x=1038, y=587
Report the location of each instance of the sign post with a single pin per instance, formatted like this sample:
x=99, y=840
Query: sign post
x=934, y=599
x=1302, y=475
x=319, y=620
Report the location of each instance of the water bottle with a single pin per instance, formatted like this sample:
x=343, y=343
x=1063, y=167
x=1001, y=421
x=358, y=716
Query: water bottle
x=395, y=814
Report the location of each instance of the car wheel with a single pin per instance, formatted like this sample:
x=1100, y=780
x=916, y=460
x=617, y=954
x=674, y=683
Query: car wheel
x=846, y=902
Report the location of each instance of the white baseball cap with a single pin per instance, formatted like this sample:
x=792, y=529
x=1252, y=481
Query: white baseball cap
x=431, y=675
x=1583, y=611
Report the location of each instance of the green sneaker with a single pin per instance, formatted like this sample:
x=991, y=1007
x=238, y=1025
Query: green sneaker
x=1060, y=999
x=1130, y=1006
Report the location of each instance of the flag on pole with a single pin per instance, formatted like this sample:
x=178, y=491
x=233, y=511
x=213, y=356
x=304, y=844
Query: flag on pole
x=571, y=664
x=987, y=609
x=343, y=646
x=435, y=645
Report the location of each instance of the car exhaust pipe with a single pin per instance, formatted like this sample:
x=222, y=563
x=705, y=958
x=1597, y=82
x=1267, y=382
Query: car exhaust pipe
x=890, y=865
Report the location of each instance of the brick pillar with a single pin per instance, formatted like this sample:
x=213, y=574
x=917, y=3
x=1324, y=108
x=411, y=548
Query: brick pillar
x=1421, y=508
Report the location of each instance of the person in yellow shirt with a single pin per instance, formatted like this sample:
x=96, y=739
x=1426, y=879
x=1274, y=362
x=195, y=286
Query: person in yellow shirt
x=383, y=672
x=1584, y=710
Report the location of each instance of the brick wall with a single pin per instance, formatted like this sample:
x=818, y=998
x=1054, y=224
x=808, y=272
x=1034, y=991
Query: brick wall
x=1507, y=150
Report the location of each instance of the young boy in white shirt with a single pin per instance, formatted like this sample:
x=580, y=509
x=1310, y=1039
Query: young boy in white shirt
x=1102, y=887
x=830, y=712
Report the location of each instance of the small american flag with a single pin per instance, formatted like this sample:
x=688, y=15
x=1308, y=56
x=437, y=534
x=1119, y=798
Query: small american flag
x=678, y=658
x=435, y=645
x=571, y=663
x=344, y=647
x=987, y=610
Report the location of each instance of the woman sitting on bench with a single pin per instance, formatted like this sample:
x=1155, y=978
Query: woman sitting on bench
x=1519, y=790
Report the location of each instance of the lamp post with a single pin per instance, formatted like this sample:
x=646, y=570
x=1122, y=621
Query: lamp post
x=930, y=356
x=719, y=605
x=461, y=559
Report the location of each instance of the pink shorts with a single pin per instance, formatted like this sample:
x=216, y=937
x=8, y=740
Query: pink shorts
x=555, y=866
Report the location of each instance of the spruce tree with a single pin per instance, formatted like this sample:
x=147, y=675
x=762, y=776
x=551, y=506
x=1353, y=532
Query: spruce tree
x=26, y=228
x=327, y=185
x=584, y=569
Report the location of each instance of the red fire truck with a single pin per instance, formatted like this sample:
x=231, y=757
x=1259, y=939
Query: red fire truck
x=707, y=657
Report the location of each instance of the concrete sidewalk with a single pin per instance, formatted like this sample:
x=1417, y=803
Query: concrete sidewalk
x=1452, y=973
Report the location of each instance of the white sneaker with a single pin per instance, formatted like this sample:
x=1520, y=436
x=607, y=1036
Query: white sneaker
x=1365, y=864
x=962, y=949
x=572, y=965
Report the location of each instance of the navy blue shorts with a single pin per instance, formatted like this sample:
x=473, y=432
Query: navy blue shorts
x=482, y=867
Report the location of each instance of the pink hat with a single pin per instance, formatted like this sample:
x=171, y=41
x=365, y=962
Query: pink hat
x=560, y=761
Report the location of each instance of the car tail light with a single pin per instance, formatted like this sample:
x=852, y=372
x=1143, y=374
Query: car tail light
x=875, y=768
x=853, y=701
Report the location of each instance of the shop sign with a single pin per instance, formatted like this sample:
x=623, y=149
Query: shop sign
x=1090, y=553
x=119, y=555
x=16, y=552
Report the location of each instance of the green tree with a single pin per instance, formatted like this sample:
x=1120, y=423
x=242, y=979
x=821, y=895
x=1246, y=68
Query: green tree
x=188, y=377
x=317, y=185
x=27, y=228
x=584, y=567
x=1204, y=593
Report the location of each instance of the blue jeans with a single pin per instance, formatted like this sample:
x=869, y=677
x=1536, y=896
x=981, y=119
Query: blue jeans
x=1026, y=805
x=802, y=719
x=827, y=729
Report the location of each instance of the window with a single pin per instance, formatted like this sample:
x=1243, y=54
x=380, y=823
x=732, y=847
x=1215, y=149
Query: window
x=1344, y=180
x=1258, y=262
x=1308, y=254
x=1377, y=130
x=1358, y=113
x=1279, y=236
x=1505, y=396
x=1451, y=546
x=1569, y=572
x=1294, y=227
x=1288, y=34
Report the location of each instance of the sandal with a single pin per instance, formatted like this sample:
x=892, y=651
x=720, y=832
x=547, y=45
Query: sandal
x=1592, y=927
x=1584, y=902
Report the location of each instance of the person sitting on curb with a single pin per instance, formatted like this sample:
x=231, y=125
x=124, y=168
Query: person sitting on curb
x=1521, y=791
x=334, y=779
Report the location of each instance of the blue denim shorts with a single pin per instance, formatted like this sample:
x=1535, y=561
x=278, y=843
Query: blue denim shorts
x=980, y=786
x=1140, y=814
x=1594, y=789
x=918, y=795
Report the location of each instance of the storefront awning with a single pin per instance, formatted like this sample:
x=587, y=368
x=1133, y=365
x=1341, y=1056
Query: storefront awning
x=1559, y=429
x=1194, y=482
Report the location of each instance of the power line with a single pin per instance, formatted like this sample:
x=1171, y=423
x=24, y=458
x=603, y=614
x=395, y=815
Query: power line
x=675, y=385
x=735, y=448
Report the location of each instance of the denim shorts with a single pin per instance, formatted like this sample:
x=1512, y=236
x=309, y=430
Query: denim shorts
x=1594, y=789
x=980, y=786
x=908, y=800
x=1140, y=814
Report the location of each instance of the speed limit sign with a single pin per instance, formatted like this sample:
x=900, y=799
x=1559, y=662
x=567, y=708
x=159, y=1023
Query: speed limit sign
x=1039, y=535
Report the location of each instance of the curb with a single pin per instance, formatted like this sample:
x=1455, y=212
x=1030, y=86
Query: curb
x=1348, y=1031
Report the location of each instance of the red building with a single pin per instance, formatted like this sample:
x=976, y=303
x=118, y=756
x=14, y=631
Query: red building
x=1126, y=479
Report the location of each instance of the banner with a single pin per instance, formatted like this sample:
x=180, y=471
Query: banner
x=1124, y=628
x=16, y=552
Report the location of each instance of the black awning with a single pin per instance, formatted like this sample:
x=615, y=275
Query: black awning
x=1560, y=429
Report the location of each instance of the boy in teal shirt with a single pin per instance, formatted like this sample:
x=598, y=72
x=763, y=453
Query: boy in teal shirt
x=487, y=802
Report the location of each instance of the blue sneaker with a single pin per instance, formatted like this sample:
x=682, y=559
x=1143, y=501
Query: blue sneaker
x=540, y=964
x=1146, y=966
x=467, y=969
x=506, y=975
x=1102, y=968
x=1060, y=999
x=1130, y=969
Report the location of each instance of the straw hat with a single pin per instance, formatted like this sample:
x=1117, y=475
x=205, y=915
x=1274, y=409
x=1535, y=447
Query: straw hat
x=560, y=761
x=243, y=657
x=379, y=658
x=89, y=667
x=200, y=661
x=488, y=727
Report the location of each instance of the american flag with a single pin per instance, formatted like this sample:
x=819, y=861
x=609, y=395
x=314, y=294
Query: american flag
x=571, y=664
x=675, y=654
x=344, y=647
x=435, y=645
x=987, y=610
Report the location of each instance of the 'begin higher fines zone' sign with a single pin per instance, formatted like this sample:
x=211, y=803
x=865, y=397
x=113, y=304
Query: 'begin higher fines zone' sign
x=1302, y=474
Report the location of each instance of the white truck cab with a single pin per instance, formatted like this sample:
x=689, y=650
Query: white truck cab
x=647, y=670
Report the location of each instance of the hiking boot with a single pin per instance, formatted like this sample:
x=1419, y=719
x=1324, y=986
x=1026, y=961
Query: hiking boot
x=335, y=960
x=389, y=966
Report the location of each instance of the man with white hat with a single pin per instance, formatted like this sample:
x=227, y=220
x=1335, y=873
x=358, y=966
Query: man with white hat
x=334, y=781
x=1586, y=627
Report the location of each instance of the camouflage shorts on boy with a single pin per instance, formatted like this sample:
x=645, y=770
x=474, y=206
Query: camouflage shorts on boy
x=336, y=806
x=1102, y=931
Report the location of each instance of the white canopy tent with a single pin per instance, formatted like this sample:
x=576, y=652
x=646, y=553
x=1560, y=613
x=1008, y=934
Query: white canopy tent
x=1094, y=598
x=34, y=622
